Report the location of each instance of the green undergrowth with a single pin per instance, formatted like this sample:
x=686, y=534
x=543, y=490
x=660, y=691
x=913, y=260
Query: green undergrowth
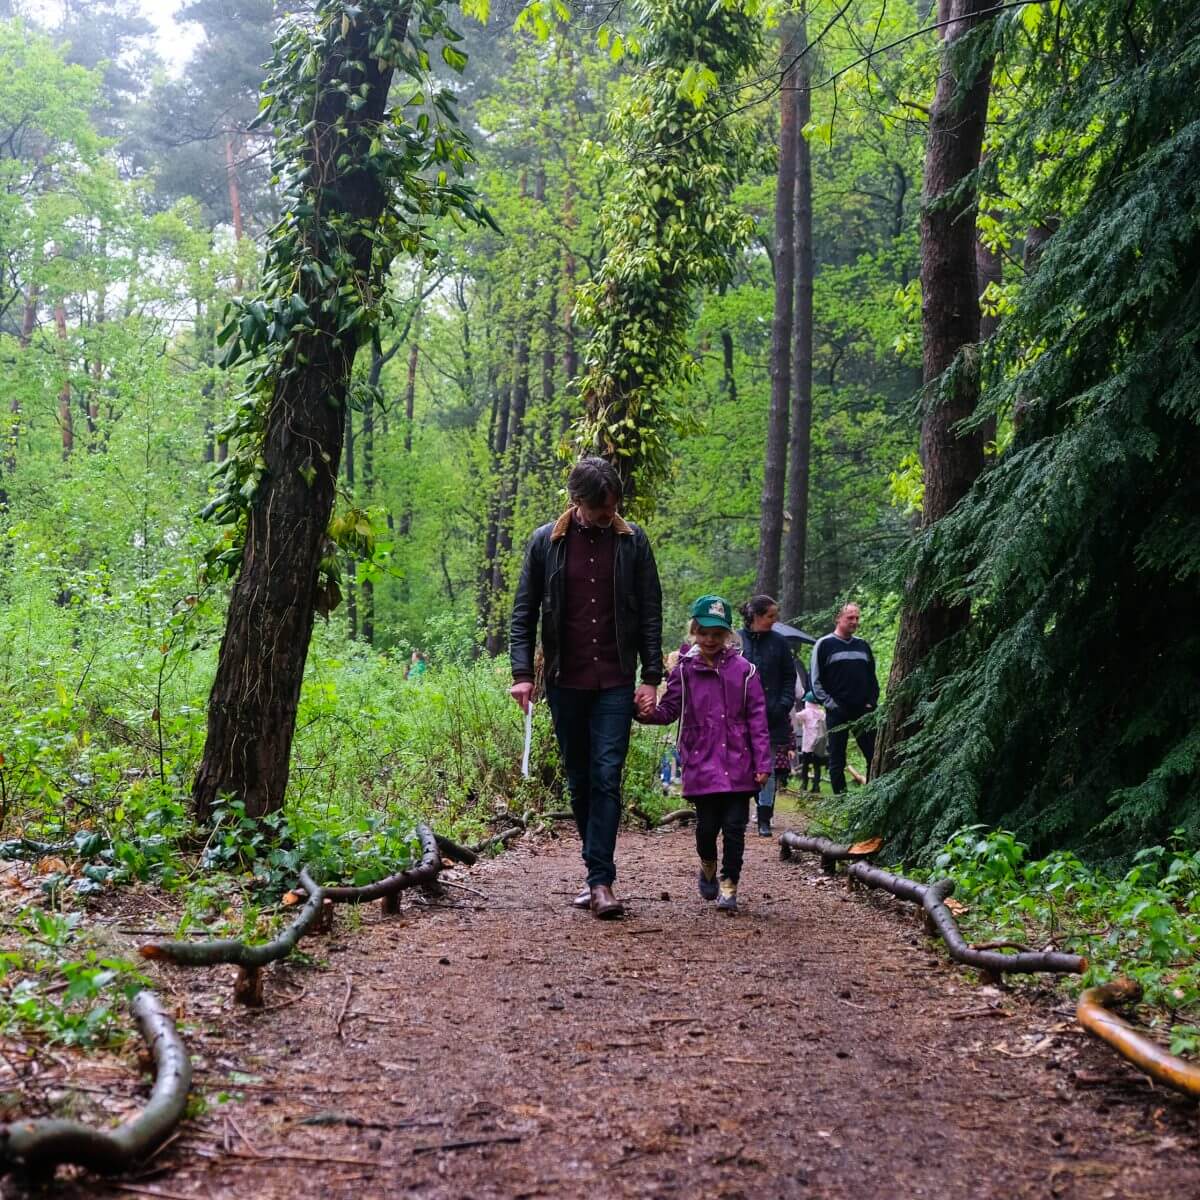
x=59, y=983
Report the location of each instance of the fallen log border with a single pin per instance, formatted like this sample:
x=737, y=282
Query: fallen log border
x=932, y=897
x=41, y=1145
x=426, y=871
x=685, y=816
x=250, y=960
x=455, y=851
x=939, y=919
x=831, y=852
x=1093, y=1012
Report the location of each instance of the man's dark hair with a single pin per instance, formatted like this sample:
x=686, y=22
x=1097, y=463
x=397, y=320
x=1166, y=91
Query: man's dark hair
x=757, y=605
x=591, y=479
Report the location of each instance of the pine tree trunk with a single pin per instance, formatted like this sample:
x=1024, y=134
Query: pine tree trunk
x=770, y=533
x=570, y=355
x=800, y=445
x=252, y=707
x=510, y=471
x=348, y=475
x=989, y=269
x=410, y=404
x=28, y=322
x=66, y=419
x=951, y=460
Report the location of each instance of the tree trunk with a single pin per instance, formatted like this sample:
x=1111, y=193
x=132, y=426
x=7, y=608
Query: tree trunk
x=1035, y=239
x=28, y=322
x=252, y=708
x=367, y=612
x=570, y=357
x=410, y=406
x=775, y=465
x=351, y=561
x=510, y=472
x=800, y=445
x=497, y=426
x=989, y=269
x=951, y=459
x=66, y=419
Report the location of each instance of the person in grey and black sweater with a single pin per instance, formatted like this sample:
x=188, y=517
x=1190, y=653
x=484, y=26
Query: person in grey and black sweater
x=844, y=681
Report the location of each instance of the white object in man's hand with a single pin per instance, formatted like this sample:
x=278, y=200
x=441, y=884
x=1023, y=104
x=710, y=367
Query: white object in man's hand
x=522, y=693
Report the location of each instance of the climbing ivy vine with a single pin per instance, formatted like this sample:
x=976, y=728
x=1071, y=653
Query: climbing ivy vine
x=669, y=224
x=317, y=284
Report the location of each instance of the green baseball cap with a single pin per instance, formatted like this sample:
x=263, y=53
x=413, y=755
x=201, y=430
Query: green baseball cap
x=712, y=612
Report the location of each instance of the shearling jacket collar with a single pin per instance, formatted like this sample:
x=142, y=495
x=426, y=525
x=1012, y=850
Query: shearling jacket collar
x=619, y=525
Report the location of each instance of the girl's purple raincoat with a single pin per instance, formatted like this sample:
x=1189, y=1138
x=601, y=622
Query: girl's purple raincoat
x=723, y=740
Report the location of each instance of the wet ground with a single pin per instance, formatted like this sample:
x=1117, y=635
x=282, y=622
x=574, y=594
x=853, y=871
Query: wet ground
x=492, y=1042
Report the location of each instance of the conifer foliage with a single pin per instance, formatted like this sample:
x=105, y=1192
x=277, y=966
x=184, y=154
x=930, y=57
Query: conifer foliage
x=1068, y=710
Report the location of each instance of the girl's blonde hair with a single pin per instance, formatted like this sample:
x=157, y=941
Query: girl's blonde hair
x=731, y=636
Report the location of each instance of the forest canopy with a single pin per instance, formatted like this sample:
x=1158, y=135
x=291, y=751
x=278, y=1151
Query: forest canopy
x=700, y=239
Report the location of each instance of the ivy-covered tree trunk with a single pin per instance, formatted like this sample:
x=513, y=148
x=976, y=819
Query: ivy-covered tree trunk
x=770, y=529
x=951, y=458
x=252, y=708
x=342, y=155
x=800, y=443
x=669, y=227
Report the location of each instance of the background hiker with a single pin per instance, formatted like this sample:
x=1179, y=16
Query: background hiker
x=771, y=654
x=809, y=722
x=590, y=578
x=724, y=744
x=843, y=679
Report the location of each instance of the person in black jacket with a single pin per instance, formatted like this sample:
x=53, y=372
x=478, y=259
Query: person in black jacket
x=771, y=654
x=589, y=577
x=844, y=680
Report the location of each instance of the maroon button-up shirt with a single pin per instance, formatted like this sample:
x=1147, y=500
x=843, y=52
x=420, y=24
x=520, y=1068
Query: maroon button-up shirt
x=589, y=648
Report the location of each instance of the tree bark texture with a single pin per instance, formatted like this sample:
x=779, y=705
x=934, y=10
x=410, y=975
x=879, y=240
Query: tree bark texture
x=952, y=460
x=989, y=269
x=800, y=443
x=770, y=533
x=252, y=708
x=66, y=419
x=570, y=354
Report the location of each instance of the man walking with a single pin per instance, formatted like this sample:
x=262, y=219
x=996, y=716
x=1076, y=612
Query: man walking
x=843, y=679
x=590, y=576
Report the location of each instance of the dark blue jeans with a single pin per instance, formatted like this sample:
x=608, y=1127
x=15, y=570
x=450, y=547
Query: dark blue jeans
x=592, y=728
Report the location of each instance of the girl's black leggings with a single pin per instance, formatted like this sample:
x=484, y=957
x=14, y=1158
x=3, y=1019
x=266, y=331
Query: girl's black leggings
x=725, y=813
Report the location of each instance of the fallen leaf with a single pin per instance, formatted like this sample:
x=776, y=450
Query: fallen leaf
x=955, y=906
x=867, y=846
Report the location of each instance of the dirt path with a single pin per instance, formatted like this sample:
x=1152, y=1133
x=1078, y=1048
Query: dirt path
x=814, y=1045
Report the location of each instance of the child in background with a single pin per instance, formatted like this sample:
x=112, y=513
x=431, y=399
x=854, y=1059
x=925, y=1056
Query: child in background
x=810, y=725
x=724, y=745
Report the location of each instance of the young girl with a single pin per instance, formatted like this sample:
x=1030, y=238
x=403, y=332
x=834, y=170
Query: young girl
x=724, y=746
x=810, y=725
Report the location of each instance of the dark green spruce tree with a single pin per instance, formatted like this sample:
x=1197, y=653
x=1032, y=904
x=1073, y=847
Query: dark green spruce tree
x=1068, y=709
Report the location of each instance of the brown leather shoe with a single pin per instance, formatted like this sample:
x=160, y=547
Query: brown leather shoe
x=604, y=904
x=583, y=900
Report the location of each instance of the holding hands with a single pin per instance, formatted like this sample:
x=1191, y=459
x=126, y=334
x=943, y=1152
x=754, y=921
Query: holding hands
x=645, y=699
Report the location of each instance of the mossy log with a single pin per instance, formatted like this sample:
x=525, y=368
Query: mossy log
x=831, y=852
x=41, y=1145
x=932, y=897
x=249, y=959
